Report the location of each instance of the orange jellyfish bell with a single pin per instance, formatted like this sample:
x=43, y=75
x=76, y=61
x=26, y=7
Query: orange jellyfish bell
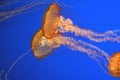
x=50, y=21
x=114, y=65
x=41, y=44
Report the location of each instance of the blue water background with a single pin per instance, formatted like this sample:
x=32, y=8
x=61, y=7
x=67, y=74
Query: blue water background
x=63, y=64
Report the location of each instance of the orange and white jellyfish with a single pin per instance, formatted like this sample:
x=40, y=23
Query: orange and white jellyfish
x=51, y=36
x=42, y=42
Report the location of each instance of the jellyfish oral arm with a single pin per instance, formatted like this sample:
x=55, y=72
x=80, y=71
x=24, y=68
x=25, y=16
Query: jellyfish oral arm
x=92, y=51
x=83, y=47
x=66, y=25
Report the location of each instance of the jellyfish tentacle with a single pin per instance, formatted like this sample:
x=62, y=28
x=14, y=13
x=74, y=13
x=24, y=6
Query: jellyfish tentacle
x=2, y=75
x=84, y=47
x=20, y=10
x=92, y=51
x=12, y=65
x=9, y=14
x=104, y=68
x=8, y=3
x=66, y=25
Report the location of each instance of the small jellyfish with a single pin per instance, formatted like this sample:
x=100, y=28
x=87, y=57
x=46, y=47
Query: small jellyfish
x=114, y=65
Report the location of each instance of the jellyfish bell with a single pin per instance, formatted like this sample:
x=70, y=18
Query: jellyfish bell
x=50, y=21
x=114, y=65
x=41, y=46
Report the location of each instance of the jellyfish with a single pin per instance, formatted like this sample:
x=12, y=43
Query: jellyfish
x=42, y=42
x=52, y=35
x=114, y=64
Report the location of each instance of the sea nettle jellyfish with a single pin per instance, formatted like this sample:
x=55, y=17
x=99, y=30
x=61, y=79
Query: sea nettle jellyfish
x=44, y=41
x=114, y=65
x=51, y=35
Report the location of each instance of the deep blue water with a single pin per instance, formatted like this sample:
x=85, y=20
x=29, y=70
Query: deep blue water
x=63, y=64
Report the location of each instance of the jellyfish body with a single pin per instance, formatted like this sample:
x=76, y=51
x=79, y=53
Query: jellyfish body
x=41, y=43
x=114, y=65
